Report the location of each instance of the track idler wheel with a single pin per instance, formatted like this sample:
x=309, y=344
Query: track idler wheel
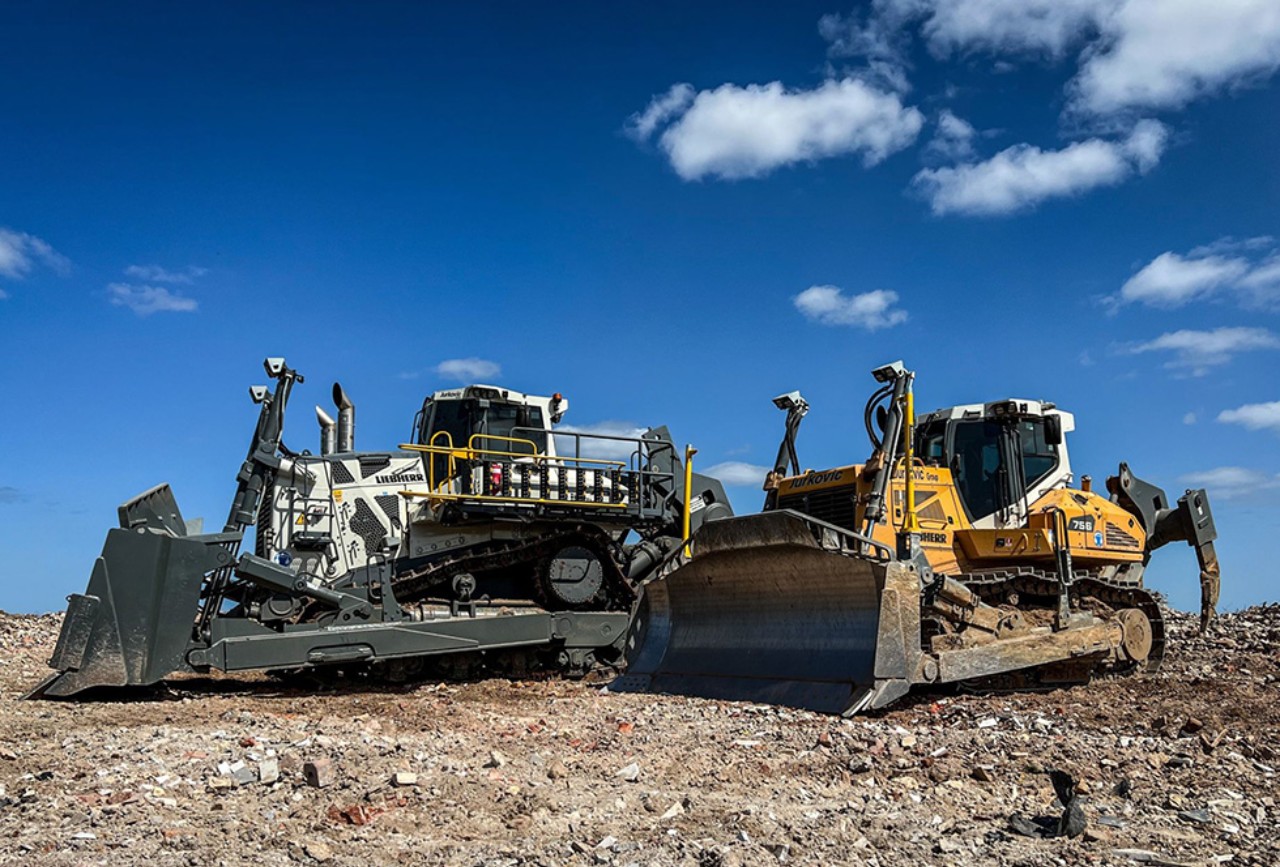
x=574, y=576
x=1138, y=636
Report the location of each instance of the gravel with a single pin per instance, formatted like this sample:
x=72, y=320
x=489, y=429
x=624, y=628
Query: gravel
x=1179, y=767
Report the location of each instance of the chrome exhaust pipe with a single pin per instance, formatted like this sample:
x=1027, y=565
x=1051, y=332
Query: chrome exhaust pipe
x=346, y=420
x=328, y=432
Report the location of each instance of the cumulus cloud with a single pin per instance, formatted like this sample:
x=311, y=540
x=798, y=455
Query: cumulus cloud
x=1023, y=176
x=735, y=132
x=1232, y=483
x=468, y=370
x=953, y=139
x=159, y=274
x=1133, y=55
x=828, y=305
x=1254, y=416
x=1165, y=54
x=661, y=109
x=21, y=253
x=1248, y=270
x=145, y=300
x=1047, y=28
x=737, y=473
x=1195, y=352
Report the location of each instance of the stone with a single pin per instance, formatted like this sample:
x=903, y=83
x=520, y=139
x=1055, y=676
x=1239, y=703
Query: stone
x=404, y=778
x=671, y=812
x=317, y=849
x=496, y=760
x=1199, y=817
x=630, y=773
x=557, y=770
x=268, y=770
x=983, y=774
x=318, y=773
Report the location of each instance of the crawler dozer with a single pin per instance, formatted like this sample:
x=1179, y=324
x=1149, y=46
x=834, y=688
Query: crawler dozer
x=959, y=553
x=490, y=541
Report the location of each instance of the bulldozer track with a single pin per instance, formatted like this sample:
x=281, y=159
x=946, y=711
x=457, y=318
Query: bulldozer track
x=416, y=585
x=1028, y=583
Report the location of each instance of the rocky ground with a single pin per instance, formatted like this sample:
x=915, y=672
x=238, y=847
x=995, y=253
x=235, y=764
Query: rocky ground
x=1174, y=768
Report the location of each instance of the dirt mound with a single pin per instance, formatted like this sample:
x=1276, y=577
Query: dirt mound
x=1174, y=768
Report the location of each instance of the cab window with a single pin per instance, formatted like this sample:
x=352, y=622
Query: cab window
x=976, y=464
x=931, y=444
x=1038, y=457
x=515, y=422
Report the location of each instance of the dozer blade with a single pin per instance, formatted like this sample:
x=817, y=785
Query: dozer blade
x=772, y=608
x=133, y=624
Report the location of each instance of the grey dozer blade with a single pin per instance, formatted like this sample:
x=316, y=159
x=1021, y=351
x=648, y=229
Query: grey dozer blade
x=133, y=623
x=775, y=608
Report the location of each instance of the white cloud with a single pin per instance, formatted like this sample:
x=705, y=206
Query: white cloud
x=1197, y=351
x=953, y=140
x=828, y=305
x=1036, y=27
x=145, y=300
x=1189, y=418
x=1232, y=483
x=1164, y=54
x=158, y=274
x=1022, y=176
x=736, y=132
x=1171, y=280
x=601, y=449
x=20, y=253
x=468, y=370
x=737, y=473
x=661, y=109
x=1254, y=416
x=1133, y=54
x=1243, y=268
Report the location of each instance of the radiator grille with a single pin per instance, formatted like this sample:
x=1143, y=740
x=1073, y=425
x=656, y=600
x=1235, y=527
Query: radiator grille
x=371, y=464
x=833, y=505
x=390, y=503
x=341, y=475
x=1117, y=538
x=366, y=525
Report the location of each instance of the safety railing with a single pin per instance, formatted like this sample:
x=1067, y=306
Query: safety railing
x=493, y=470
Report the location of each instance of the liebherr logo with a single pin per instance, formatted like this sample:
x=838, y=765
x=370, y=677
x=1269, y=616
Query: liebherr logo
x=402, y=477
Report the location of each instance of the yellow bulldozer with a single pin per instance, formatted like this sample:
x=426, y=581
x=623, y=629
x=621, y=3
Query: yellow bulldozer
x=959, y=553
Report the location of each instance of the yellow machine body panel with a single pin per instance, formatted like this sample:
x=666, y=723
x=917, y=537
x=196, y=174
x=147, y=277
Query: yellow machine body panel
x=1097, y=531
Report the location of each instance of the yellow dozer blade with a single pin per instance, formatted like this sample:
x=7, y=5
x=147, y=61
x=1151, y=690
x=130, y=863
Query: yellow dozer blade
x=776, y=608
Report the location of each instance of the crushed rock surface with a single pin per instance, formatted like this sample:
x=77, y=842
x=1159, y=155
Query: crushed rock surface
x=1176, y=768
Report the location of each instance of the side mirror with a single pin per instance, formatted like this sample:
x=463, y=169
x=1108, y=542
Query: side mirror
x=1053, y=430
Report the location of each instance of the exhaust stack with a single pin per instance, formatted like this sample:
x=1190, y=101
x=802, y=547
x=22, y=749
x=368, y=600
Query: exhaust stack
x=328, y=432
x=346, y=419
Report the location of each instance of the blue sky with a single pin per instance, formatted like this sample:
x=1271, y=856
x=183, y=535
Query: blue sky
x=669, y=214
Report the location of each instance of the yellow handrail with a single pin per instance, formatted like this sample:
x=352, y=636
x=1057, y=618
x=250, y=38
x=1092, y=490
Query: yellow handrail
x=482, y=454
x=493, y=498
x=687, y=511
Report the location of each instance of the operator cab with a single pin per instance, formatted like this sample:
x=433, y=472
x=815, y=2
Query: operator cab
x=489, y=417
x=1003, y=455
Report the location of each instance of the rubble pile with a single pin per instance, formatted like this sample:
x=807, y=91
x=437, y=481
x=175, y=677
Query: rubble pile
x=1176, y=768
